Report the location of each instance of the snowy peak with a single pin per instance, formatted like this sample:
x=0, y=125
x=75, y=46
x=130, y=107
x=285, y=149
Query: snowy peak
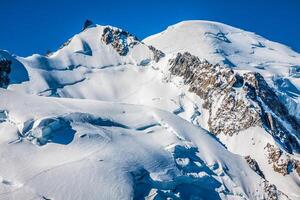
x=104, y=46
x=223, y=44
x=238, y=49
x=95, y=48
x=117, y=149
x=202, y=107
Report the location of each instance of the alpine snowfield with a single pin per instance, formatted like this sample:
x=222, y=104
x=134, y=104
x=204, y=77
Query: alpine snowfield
x=107, y=116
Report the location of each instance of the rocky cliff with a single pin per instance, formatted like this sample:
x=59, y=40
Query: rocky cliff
x=5, y=69
x=239, y=101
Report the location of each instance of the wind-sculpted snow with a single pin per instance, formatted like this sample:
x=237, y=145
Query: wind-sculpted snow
x=109, y=154
x=196, y=180
x=226, y=45
x=59, y=129
x=107, y=116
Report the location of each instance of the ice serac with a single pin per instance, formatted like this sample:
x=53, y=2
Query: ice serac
x=201, y=110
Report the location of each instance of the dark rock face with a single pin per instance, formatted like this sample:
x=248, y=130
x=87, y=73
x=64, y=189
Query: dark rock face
x=274, y=114
x=237, y=102
x=86, y=24
x=120, y=40
x=272, y=193
x=157, y=53
x=254, y=166
x=5, y=69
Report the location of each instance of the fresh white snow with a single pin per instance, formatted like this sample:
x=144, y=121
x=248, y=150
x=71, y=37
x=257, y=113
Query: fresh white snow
x=87, y=123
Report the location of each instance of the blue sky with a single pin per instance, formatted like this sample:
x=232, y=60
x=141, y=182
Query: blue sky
x=35, y=26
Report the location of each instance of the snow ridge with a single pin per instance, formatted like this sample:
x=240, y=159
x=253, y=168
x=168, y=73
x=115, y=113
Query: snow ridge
x=201, y=110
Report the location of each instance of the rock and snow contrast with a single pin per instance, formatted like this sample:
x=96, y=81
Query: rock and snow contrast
x=201, y=110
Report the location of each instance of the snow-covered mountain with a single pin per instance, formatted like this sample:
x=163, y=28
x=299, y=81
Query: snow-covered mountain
x=201, y=110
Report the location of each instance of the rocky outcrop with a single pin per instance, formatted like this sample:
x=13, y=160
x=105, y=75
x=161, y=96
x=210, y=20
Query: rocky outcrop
x=237, y=102
x=5, y=69
x=254, y=166
x=157, y=54
x=87, y=24
x=274, y=115
x=221, y=90
x=65, y=43
x=272, y=193
x=281, y=162
x=120, y=40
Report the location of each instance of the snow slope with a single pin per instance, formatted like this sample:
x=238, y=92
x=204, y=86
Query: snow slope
x=243, y=52
x=220, y=43
x=121, y=127
x=98, y=150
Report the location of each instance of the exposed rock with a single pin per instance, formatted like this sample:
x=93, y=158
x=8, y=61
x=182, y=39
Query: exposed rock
x=48, y=53
x=282, y=163
x=254, y=165
x=3, y=115
x=120, y=40
x=86, y=24
x=157, y=53
x=65, y=43
x=274, y=114
x=296, y=166
x=237, y=102
x=272, y=193
x=270, y=121
x=217, y=86
x=5, y=69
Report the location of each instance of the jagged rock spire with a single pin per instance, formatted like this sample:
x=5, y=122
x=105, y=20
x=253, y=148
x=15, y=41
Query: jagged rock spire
x=87, y=23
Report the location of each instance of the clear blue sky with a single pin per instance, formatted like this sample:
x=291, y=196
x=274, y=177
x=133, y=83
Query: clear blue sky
x=34, y=26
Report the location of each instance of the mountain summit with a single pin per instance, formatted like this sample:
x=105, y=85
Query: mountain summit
x=201, y=110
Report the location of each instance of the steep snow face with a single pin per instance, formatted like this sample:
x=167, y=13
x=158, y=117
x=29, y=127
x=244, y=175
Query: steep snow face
x=90, y=48
x=83, y=53
x=237, y=102
x=55, y=148
x=223, y=44
x=243, y=52
x=239, y=49
x=253, y=142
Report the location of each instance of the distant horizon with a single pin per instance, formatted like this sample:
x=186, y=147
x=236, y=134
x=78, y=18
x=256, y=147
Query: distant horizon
x=36, y=27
